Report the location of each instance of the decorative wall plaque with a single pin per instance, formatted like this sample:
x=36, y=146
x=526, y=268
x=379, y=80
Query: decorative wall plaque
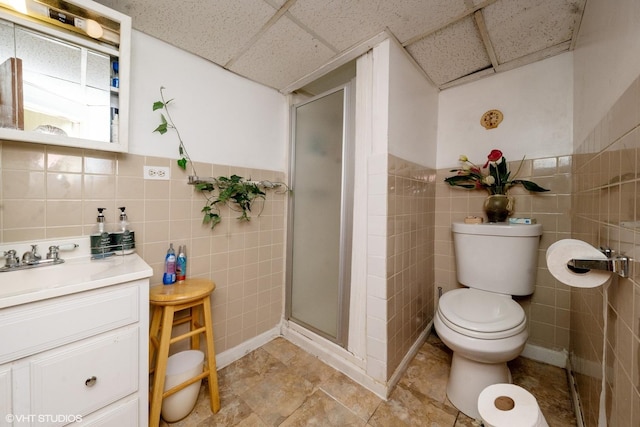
x=491, y=119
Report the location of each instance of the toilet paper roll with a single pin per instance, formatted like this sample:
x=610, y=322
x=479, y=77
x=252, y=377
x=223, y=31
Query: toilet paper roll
x=508, y=405
x=565, y=250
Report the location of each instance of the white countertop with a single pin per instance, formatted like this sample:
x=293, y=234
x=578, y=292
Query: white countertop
x=77, y=274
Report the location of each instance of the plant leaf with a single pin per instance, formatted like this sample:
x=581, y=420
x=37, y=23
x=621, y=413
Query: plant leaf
x=212, y=218
x=205, y=186
x=161, y=129
x=530, y=186
x=182, y=163
x=158, y=105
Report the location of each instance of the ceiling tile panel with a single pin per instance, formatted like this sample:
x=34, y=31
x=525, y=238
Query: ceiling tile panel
x=282, y=55
x=216, y=30
x=341, y=23
x=412, y=18
x=521, y=27
x=345, y=23
x=452, y=52
x=253, y=39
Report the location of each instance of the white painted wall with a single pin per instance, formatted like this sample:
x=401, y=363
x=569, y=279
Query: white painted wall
x=606, y=60
x=413, y=110
x=223, y=118
x=537, y=103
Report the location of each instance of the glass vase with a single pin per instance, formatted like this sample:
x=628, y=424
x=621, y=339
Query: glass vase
x=498, y=207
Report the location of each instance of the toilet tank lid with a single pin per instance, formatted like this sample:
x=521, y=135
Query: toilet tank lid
x=498, y=229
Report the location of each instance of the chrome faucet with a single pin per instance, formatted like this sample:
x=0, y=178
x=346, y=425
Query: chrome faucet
x=11, y=259
x=32, y=258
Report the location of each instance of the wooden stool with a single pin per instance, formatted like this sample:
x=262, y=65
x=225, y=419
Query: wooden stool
x=166, y=300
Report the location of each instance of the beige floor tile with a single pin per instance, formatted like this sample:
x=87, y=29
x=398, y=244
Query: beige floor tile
x=321, y=410
x=280, y=384
x=411, y=408
x=358, y=399
x=550, y=385
x=277, y=395
x=428, y=373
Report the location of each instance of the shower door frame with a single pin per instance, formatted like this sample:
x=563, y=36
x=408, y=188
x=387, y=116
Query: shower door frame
x=346, y=215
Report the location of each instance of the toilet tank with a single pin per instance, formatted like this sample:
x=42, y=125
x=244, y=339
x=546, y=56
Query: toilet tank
x=500, y=258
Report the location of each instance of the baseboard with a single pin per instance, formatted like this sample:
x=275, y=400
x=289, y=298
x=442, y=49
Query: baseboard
x=406, y=360
x=557, y=358
x=229, y=356
x=575, y=397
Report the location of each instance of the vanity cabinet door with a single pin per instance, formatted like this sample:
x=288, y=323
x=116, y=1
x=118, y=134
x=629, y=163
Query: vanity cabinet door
x=5, y=395
x=83, y=377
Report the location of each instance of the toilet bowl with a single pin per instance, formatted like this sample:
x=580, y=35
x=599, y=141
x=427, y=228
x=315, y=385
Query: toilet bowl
x=483, y=326
x=484, y=330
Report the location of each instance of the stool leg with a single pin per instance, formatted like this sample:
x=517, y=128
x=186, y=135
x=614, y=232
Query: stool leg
x=161, y=366
x=211, y=356
x=195, y=324
x=153, y=334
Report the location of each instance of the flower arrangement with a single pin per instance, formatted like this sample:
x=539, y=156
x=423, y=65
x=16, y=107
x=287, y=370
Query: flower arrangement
x=494, y=176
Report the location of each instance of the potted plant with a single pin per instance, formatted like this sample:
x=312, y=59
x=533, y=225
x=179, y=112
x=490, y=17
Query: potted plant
x=494, y=177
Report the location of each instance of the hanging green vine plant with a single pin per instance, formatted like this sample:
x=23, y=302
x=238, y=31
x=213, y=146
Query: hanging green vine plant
x=234, y=191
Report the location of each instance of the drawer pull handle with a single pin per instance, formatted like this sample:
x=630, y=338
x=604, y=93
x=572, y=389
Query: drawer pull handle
x=90, y=382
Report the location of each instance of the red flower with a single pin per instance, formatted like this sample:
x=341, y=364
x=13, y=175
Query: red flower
x=493, y=156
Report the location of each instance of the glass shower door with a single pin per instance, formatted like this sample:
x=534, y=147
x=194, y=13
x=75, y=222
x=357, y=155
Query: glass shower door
x=319, y=239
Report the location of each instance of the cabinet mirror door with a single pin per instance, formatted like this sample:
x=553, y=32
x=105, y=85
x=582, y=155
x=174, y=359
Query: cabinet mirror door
x=60, y=86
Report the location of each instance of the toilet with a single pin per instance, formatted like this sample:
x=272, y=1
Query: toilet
x=483, y=326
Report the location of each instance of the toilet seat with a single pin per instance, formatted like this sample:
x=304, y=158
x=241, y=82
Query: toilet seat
x=481, y=314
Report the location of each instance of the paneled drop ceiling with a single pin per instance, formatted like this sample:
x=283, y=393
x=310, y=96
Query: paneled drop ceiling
x=278, y=42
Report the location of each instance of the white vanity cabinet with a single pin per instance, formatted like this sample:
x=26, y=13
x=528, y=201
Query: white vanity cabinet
x=80, y=356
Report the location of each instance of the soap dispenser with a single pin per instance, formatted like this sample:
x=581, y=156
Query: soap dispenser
x=123, y=239
x=100, y=240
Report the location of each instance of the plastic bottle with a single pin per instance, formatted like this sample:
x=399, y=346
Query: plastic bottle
x=100, y=240
x=181, y=264
x=169, y=276
x=123, y=239
x=115, y=127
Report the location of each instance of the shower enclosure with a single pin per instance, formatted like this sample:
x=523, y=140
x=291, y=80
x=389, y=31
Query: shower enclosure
x=320, y=212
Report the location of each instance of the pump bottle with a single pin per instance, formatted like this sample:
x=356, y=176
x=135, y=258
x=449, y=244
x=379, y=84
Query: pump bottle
x=99, y=238
x=123, y=240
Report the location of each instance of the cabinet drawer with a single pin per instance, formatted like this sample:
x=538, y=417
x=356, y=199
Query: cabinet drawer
x=85, y=376
x=121, y=414
x=40, y=326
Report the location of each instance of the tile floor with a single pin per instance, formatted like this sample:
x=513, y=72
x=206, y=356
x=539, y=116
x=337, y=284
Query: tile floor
x=281, y=385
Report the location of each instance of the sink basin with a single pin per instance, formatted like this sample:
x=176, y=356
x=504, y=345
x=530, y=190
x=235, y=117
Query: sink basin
x=74, y=275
